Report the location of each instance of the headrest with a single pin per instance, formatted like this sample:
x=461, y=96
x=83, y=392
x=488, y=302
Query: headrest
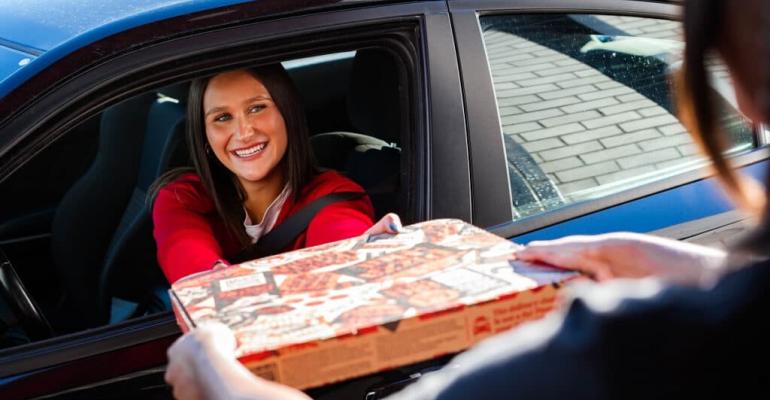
x=177, y=91
x=373, y=97
x=328, y=147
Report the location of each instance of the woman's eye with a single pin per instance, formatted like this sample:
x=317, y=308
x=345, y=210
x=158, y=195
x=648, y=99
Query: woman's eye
x=256, y=108
x=222, y=117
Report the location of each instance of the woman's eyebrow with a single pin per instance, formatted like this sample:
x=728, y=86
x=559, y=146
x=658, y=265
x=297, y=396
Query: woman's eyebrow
x=213, y=110
x=257, y=97
x=249, y=100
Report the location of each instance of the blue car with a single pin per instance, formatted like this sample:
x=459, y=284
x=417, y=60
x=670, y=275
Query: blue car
x=533, y=119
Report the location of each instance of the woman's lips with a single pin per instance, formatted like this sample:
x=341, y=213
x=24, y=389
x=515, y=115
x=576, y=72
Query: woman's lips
x=251, y=151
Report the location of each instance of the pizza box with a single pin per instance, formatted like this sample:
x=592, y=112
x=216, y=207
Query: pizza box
x=323, y=314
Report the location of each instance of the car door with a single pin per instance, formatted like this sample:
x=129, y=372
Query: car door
x=126, y=359
x=572, y=122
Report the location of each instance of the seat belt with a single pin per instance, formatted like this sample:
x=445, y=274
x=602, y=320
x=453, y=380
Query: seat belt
x=285, y=233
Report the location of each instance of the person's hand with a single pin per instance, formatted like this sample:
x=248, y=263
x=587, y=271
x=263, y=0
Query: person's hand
x=628, y=255
x=202, y=365
x=390, y=223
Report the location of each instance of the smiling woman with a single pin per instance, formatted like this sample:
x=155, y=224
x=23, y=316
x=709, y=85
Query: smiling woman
x=253, y=170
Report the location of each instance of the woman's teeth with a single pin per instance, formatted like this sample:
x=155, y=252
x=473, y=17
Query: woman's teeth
x=250, y=151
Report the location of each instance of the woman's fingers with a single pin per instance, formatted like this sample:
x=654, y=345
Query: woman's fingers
x=390, y=223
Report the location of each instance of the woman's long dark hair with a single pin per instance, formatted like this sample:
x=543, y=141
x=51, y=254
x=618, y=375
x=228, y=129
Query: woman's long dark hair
x=697, y=106
x=224, y=187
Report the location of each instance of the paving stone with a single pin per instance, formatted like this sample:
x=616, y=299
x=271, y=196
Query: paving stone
x=565, y=119
x=630, y=137
x=567, y=92
x=510, y=58
x=546, y=79
x=518, y=128
x=540, y=145
x=560, y=165
x=590, y=105
x=588, y=72
x=606, y=93
x=588, y=171
x=577, y=81
x=610, y=154
x=668, y=141
x=568, y=188
x=573, y=150
x=510, y=110
x=561, y=70
x=688, y=149
x=505, y=85
x=609, y=84
x=528, y=90
x=653, y=111
x=648, y=123
x=541, y=105
x=650, y=157
x=683, y=163
x=565, y=61
x=514, y=77
x=539, y=60
x=672, y=129
x=516, y=100
x=625, y=174
x=628, y=106
x=613, y=119
x=533, y=116
x=543, y=133
x=592, y=134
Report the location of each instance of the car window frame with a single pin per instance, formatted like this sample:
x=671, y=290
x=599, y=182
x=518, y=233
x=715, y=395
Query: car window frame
x=83, y=95
x=492, y=203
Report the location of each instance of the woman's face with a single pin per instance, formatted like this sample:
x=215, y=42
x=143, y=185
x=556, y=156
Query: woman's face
x=244, y=127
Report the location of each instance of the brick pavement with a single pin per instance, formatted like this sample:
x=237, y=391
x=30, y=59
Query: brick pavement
x=583, y=128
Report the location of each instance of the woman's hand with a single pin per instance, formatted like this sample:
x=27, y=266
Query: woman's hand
x=390, y=223
x=202, y=365
x=628, y=255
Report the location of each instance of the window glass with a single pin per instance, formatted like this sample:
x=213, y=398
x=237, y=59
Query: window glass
x=585, y=105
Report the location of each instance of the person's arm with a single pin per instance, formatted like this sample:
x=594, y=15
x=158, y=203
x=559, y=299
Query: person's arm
x=184, y=236
x=202, y=366
x=339, y=221
x=629, y=255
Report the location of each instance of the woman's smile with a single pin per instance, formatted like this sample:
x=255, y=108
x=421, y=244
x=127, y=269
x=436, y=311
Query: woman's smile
x=251, y=152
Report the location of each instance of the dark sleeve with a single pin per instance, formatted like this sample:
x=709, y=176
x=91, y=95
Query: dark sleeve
x=624, y=339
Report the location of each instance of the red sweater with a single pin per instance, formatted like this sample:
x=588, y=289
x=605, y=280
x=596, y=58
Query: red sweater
x=191, y=237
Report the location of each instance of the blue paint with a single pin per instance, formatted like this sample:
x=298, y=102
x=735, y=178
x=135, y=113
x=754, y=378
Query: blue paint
x=685, y=203
x=10, y=59
x=60, y=27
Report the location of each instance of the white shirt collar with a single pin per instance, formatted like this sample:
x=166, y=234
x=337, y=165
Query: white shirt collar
x=256, y=231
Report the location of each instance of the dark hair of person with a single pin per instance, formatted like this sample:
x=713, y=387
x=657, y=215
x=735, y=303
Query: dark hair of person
x=698, y=109
x=221, y=184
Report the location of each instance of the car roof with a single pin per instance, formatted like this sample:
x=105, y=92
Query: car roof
x=36, y=33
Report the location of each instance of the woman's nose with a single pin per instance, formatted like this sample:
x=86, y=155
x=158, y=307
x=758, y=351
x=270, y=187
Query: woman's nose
x=244, y=129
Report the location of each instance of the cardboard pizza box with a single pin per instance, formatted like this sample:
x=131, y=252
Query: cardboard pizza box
x=327, y=313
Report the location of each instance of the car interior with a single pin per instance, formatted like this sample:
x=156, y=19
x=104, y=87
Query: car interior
x=80, y=238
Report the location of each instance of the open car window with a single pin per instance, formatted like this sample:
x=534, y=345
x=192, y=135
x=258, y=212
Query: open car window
x=83, y=244
x=586, y=108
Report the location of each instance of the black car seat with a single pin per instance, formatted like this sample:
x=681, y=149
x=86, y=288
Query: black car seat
x=92, y=209
x=131, y=282
x=371, y=156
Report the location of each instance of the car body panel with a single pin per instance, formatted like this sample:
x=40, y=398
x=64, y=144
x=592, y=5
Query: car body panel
x=690, y=202
x=49, y=26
